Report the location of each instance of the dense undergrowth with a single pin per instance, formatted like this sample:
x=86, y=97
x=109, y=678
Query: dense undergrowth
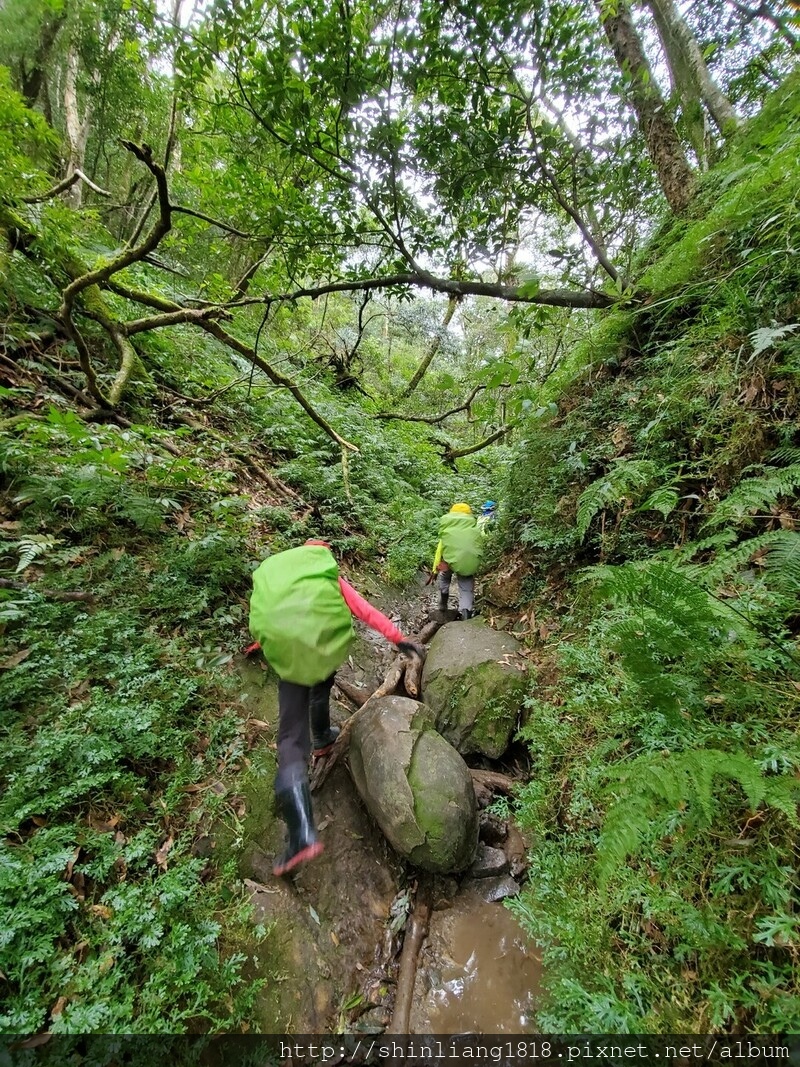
x=123, y=735
x=657, y=516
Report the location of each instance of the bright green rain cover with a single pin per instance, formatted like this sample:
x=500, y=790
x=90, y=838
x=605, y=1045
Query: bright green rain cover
x=299, y=616
x=462, y=543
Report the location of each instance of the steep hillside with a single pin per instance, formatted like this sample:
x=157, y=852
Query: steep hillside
x=652, y=524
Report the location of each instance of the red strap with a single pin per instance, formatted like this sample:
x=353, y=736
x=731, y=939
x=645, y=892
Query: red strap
x=252, y=648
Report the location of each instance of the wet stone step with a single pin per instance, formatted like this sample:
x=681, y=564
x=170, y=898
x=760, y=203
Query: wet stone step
x=488, y=861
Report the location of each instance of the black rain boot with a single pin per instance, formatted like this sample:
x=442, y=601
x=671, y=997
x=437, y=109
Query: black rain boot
x=302, y=843
x=323, y=734
x=443, y=598
x=467, y=613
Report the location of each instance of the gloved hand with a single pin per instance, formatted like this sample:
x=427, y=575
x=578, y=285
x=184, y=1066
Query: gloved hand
x=430, y=578
x=411, y=648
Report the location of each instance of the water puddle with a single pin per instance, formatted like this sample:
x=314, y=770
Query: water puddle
x=477, y=973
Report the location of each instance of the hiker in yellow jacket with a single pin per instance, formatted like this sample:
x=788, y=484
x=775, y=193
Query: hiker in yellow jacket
x=458, y=552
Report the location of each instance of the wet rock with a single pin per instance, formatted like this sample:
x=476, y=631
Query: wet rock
x=493, y=889
x=203, y=846
x=373, y=1021
x=444, y=891
x=515, y=850
x=415, y=785
x=474, y=681
x=488, y=862
x=492, y=829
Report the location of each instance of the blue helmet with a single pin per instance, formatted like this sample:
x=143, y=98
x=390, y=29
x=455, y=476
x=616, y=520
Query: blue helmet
x=488, y=506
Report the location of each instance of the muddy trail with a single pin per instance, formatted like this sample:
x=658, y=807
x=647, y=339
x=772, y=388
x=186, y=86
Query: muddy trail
x=337, y=927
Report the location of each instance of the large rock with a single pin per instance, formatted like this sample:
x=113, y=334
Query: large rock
x=474, y=681
x=414, y=784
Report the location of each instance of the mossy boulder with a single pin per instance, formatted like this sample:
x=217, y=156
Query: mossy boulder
x=415, y=785
x=474, y=681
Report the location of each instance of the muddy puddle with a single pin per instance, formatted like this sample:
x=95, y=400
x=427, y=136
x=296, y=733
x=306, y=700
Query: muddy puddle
x=477, y=973
x=334, y=937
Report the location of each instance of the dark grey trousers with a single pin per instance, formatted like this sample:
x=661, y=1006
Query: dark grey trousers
x=297, y=705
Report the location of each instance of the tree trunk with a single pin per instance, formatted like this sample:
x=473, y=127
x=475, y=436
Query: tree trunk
x=33, y=79
x=690, y=75
x=427, y=359
x=663, y=143
x=77, y=124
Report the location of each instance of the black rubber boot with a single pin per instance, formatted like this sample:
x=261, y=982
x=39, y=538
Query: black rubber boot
x=323, y=734
x=467, y=613
x=443, y=598
x=302, y=843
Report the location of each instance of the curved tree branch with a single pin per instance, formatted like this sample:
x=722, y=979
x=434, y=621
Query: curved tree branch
x=458, y=453
x=589, y=298
x=62, y=186
x=168, y=306
x=434, y=419
x=433, y=348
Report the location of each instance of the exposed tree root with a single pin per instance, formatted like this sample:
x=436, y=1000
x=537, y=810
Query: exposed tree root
x=355, y=695
x=416, y=932
x=494, y=780
x=402, y=678
x=487, y=783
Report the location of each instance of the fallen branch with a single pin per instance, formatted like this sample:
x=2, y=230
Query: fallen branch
x=427, y=631
x=416, y=932
x=390, y=684
x=52, y=594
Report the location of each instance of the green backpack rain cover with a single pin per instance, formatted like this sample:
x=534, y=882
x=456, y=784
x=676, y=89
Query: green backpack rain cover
x=299, y=616
x=462, y=543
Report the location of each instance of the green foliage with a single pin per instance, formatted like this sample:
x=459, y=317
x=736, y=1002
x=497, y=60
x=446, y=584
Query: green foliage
x=756, y=494
x=676, y=792
x=625, y=479
x=104, y=904
x=663, y=797
x=23, y=134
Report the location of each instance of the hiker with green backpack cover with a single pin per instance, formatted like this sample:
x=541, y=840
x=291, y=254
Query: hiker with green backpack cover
x=301, y=613
x=458, y=552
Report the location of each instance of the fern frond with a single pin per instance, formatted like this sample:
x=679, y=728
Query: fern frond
x=684, y=783
x=780, y=560
x=32, y=546
x=629, y=477
x=716, y=542
x=787, y=455
x=664, y=499
x=756, y=494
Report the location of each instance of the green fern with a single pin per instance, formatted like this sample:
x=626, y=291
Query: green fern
x=664, y=499
x=32, y=546
x=756, y=494
x=627, y=479
x=779, y=557
x=666, y=630
x=715, y=542
x=683, y=784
